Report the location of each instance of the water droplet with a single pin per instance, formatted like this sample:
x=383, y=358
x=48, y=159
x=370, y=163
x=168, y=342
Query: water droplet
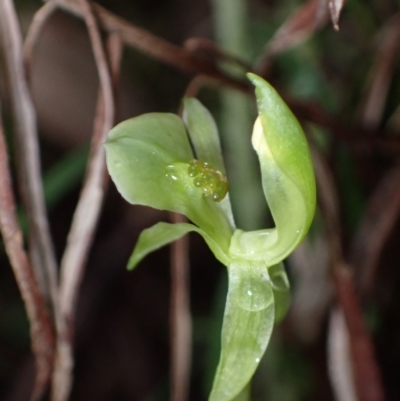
x=297, y=231
x=207, y=191
x=195, y=168
x=170, y=173
x=255, y=293
x=211, y=179
x=198, y=182
x=257, y=360
x=221, y=191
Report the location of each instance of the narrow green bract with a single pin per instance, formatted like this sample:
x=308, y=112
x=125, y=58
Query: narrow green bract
x=164, y=162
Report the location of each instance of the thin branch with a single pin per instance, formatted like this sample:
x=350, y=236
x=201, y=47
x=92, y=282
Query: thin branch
x=115, y=47
x=41, y=250
x=35, y=29
x=360, y=138
x=89, y=204
x=375, y=228
x=339, y=361
x=381, y=74
x=298, y=27
x=181, y=327
x=356, y=136
x=329, y=203
x=214, y=52
x=41, y=328
x=196, y=84
x=180, y=318
x=366, y=373
x=367, y=378
x=153, y=45
x=85, y=217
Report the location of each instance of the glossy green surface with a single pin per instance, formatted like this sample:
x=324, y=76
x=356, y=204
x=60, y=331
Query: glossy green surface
x=151, y=161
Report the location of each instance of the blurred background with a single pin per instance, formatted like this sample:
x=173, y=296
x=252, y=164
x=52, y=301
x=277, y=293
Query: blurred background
x=345, y=86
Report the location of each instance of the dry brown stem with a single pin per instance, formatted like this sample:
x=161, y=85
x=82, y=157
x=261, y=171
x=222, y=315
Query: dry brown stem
x=153, y=45
x=36, y=277
x=375, y=228
x=41, y=328
x=214, y=52
x=366, y=373
x=85, y=217
x=381, y=74
x=35, y=29
x=181, y=326
x=190, y=61
x=28, y=160
x=298, y=27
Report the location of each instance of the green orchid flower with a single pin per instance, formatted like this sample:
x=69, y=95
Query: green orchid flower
x=174, y=164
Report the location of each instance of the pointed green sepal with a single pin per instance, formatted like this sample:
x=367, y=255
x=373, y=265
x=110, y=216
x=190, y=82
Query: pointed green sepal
x=203, y=133
x=162, y=234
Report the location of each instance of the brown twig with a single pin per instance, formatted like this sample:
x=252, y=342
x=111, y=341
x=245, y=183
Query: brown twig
x=329, y=204
x=214, y=52
x=367, y=379
x=85, y=217
x=381, y=215
x=381, y=73
x=298, y=27
x=28, y=161
x=153, y=45
x=35, y=29
x=366, y=372
x=360, y=138
x=185, y=60
x=195, y=85
x=180, y=318
x=41, y=328
x=339, y=361
x=114, y=50
x=181, y=327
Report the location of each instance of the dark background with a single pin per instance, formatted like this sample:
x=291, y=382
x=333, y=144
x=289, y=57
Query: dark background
x=122, y=335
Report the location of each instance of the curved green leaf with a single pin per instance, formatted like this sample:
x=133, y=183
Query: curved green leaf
x=147, y=158
x=286, y=141
x=287, y=177
x=162, y=234
x=138, y=152
x=246, y=330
